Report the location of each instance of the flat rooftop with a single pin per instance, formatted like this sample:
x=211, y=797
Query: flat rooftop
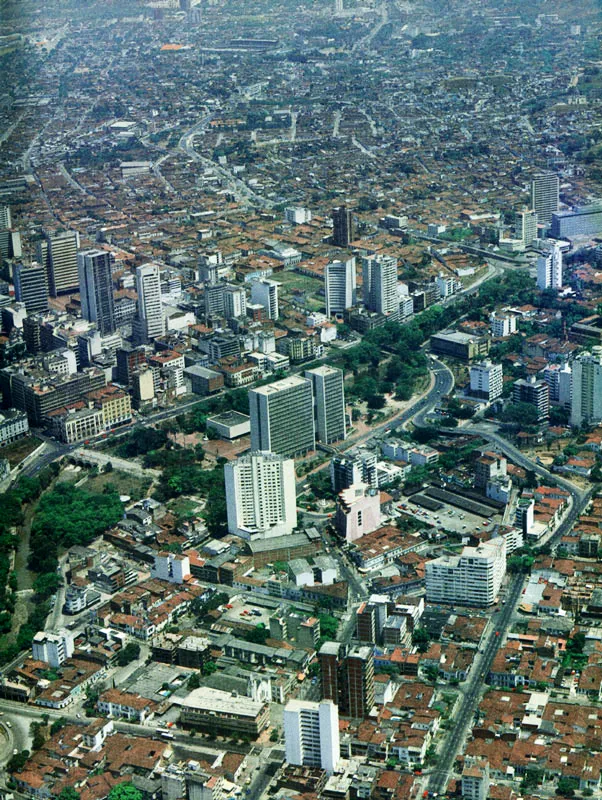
x=207, y=699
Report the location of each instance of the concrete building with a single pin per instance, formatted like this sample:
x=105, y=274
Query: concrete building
x=340, y=286
x=13, y=425
x=57, y=253
x=235, y=302
x=52, y=647
x=559, y=379
x=151, y=321
x=357, y=683
x=526, y=226
x=297, y=215
x=358, y=511
x=31, y=287
x=261, y=495
x=345, y=471
x=549, y=269
x=222, y=712
x=475, y=781
x=342, y=226
x=265, y=293
x=534, y=392
x=311, y=734
x=524, y=516
x=486, y=380
x=329, y=403
x=171, y=567
x=96, y=289
x=282, y=417
x=586, y=402
x=545, y=196
x=472, y=578
x=460, y=345
x=502, y=324
x=380, y=284
x=584, y=221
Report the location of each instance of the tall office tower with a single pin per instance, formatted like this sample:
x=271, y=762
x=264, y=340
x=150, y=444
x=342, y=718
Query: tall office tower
x=586, y=401
x=235, y=302
x=380, y=284
x=545, y=196
x=150, y=312
x=5, y=218
x=486, y=380
x=534, y=392
x=341, y=286
x=472, y=578
x=282, y=417
x=549, y=269
x=57, y=253
x=338, y=6
x=31, y=287
x=311, y=734
x=526, y=226
x=96, y=289
x=215, y=300
x=358, y=682
x=261, y=496
x=329, y=403
x=265, y=293
x=329, y=659
x=342, y=226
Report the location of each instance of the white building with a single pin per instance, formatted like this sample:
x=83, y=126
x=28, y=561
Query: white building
x=172, y=567
x=297, y=215
x=560, y=380
x=502, y=324
x=526, y=226
x=586, y=402
x=447, y=285
x=380, y=284
x=329, y=403
x=549, y=269
x=52, y=647
x=340, y=286
x=13, y=425
x=261, y=495
x=472, y=578
x=235, y=302
x=486, y=380
x=475, y=781
x=311, y=734
x=545, y=196
x=265, y=293
x=150, y=311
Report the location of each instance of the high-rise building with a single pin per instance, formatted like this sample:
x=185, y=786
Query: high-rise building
x=502, y=324
x=261, y=496
x=53, y=647
x=584, y=221
x=486, y=380
x=311, y=734
x=549, y=269
x=380, y=284
x=215, y=299
x=534, y=392
x=57, y=253
x=329, y=403
x=151, y=322
x=342, y=226
x=559, y=379
x=358, y=682
x=545, y=196
x=31, y=287
x=344, y=472
x=340, y=286
x=297, y=215
x=586, y=401
x=282, y=417
x=472, y=578
x=329, y=659
x=96, y=289
x=526, y=226
x=265, y=293
x=235, y=302
x=5, y=218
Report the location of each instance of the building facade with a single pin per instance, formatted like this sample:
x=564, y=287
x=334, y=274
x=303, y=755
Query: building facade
x=96, y=289
x=31, y=287
x=329, y=403
x=586, y=399
x=311, y=734
x=545, y=196
x=380, y=284
x=472, y=578
x=486, y=380
x=340, y=286
x=282, y=417
x=151, y=321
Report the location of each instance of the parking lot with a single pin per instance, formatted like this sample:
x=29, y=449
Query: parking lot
x=246, y=613
x=450, y=518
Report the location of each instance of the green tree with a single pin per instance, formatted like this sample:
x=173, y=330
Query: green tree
x=128, y=654
x=421, y=639
x=125, y=791
x=68, y=793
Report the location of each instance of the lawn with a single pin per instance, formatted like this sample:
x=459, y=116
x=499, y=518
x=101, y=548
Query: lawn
x=184, y=507
x=17, y=451
x=293, y=280
x=126, y=484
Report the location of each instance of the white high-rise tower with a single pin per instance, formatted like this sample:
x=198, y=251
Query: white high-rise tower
x=261, y=496
x=150, y=312
x=311, y=734
x=586, y=400
x=549, y=269
x=380, y=284
x=340, y=286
